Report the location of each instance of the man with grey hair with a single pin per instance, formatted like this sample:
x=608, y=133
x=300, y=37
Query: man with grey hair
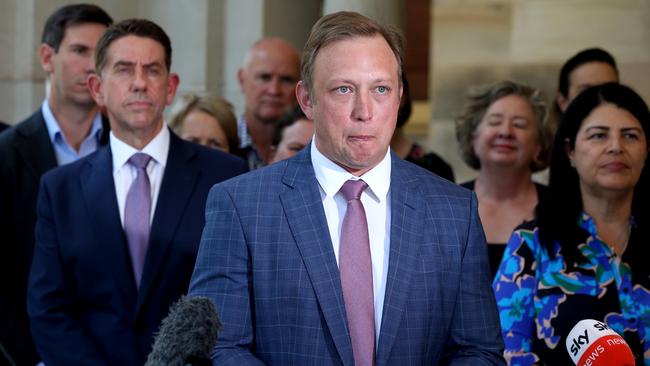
x=345, y=254
x=118, y=231
x=268, y=79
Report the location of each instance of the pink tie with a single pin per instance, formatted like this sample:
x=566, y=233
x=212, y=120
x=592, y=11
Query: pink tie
x=136, y=214
x=356, y=275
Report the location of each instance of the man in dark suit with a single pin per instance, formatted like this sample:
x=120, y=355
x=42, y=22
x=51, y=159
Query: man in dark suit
x=345, y=254
x=67, y=126
x=118, y=231
x=3, y=126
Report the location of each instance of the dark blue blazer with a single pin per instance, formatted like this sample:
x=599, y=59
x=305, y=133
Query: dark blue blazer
x=82, y=299
x=266, y=260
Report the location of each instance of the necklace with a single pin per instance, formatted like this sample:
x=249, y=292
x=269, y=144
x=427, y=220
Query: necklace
x=620, y=245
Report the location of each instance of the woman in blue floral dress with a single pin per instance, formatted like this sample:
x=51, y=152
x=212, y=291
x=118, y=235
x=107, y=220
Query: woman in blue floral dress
x=586, y=254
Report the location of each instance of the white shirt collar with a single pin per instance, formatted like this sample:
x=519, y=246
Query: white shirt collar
x=331, y=176
x=158, y=149
x=242, y=132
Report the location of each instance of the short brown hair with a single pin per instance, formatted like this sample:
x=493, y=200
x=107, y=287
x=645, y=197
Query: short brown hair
x=341, y=25
x=214, y=106
x=132, y=27
x=480, y=100
x=59, y=21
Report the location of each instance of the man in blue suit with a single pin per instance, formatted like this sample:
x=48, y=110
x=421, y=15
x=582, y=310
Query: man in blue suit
x=303, y=271
x=118, y=231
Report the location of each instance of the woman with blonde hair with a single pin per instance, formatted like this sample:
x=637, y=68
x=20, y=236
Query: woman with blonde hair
x=206, y=120
x=502, y=133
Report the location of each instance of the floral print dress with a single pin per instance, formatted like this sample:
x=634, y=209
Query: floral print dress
x=540, y=297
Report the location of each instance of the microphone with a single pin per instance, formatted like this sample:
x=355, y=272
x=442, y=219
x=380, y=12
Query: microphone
x=594, y=343
x=187, y=335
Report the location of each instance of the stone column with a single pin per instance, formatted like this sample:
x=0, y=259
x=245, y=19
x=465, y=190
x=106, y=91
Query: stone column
x=21, y=77
x=386, y=11
x=247, y=21
x=22, y=80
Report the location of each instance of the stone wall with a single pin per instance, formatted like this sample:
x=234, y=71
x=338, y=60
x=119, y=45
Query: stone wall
x=480, y=42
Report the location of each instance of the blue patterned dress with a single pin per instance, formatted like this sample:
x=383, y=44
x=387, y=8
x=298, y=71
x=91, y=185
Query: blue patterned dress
x=540, y=297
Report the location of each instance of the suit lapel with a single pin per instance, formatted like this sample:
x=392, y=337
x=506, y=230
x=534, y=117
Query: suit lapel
x=98, y=189
x=407, y=212
x=306, y=217
x=179, y=180
x=35, y=146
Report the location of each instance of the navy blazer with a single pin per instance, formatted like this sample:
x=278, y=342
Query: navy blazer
x=82, y=301
x=26, y=153
x=267, y=261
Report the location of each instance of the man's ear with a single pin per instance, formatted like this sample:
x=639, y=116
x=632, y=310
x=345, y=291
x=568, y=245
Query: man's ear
x=304, y=99
x=94, y=82
x=45, y=53
x=240, y=79
x=172, y=86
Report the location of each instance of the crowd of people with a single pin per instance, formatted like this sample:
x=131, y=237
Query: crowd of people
x=319, y=231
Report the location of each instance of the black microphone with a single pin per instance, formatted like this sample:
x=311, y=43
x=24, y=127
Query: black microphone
x=187, y=335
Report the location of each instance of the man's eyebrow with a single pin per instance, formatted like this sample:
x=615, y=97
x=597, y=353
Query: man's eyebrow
x=80, y=45
x=123, y=63
x=131, y=63
x=152, y=64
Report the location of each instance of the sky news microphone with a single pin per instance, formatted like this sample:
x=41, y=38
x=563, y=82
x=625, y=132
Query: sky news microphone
x=187, y=335
x=594, y=343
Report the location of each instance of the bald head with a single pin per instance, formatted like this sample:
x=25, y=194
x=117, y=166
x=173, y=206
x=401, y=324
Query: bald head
x=268, y=79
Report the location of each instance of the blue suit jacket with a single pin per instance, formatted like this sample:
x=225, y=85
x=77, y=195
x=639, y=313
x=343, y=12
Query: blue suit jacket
x=83, y=303
x=266, y=259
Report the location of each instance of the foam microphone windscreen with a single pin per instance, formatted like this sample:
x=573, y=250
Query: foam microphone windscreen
x=594, y=343
x=187, y=335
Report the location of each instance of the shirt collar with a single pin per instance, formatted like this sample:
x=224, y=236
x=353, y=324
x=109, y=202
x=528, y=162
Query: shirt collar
x=54, y=130
x=587, y=223
x=158, y=149
x=242, y=131
x=331, y=176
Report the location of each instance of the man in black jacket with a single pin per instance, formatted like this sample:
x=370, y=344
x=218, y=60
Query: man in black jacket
x=67, y=126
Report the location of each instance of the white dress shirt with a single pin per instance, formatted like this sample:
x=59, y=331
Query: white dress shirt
x=124, y=173
x=376, y=204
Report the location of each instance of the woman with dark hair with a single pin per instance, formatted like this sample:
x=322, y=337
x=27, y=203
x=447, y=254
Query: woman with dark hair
x=293, y=132
x=585, y=257
x=589, y=67
x=502, y=133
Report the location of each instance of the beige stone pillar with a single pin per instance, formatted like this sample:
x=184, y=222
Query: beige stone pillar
x=386, y=11
x=22, y=80
x=247, y=21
